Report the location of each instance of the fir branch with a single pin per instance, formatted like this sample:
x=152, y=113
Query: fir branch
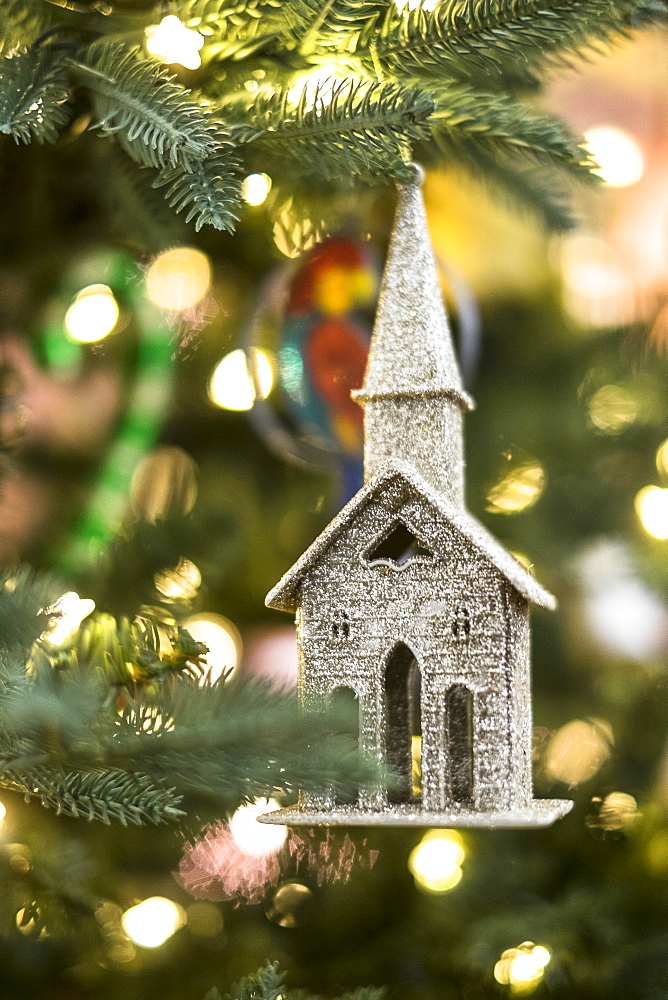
x=333, y=24
x=103, y=795
x=33, y=95
x=210, y=192
x=153, y=117
x=470, y=121
x=237, y=30
x=268, y=983
x=503, y=38
x=21, y=22
x=25, y=598
x=363, y=129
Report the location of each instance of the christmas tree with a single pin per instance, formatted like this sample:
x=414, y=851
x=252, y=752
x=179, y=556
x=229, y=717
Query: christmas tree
x=198, y=201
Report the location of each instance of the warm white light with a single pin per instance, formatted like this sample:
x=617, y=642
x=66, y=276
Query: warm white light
x=71, y=610
x=662, y=458
x=618, y=155
x=92, y=315
x=150, y=923
x=3, y=811
x=520, y=488
x=171, y=42
x=232, y=386
x=427, y=5
x=223, y=640
x=597, y=288
x=652, y=508
x=257, y=839
x=178, y=279
x=436, y=861
x=255, y=188
x=522, y=968
x=322, y=82
x=578, y=750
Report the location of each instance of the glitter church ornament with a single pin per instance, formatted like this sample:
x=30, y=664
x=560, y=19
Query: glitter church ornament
x=405, y=603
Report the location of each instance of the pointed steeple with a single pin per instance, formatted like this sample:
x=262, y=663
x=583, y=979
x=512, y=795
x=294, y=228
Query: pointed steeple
x=411, y=350
x=412, y=395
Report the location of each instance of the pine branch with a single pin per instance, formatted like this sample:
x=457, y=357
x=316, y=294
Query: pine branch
x=469, y=122
x=363, y=129
x=25, y=597
x=240, y=29
x=268, y=983
x=103, y=795
x=209, y=192
x=153, y=118
x=511, y=39
x=33, y=96
x=333, y=24
x=21, y=22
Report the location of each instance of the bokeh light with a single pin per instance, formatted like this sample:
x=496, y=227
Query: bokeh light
x=164, y=484
x=597, y=290
x=3, y=812
x=178, y=279
x=522, y=968
x=171, y=42
x=578, y=750
x=436, y=861
x=153, y=921
x=71, y=611
x=256, y=188
x=223, y=640
x=617, y=811
x=612, y=409
x=662, y=458
x=92, y=315
x=518, y=489
x=180, y=583
x=651, y=505
x=287, y=908
x=321, y=81
x=257, y=839
x=232, y=385
x=618, y=155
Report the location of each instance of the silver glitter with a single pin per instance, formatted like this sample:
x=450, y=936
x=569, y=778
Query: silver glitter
x=407, y=601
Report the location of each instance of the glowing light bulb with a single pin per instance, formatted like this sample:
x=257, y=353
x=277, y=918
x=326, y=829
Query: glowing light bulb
x=651, y=505
x=232, y=386
x=321, y=82
x=255, y=188
x=92, y=315
x=3, y=811
x=178, y=279
x=662, y=458
x=436, y=861
x=522, y=968
x=253, y=838
x=223, y=640
x=71, y=610
x=171, y=42
x=618, y=155
x=153, y=921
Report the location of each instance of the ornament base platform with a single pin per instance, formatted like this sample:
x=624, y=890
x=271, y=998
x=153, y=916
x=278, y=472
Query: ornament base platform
x=539, y=813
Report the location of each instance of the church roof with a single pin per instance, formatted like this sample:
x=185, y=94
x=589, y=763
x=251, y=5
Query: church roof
x=284, y=596
x=411, y=349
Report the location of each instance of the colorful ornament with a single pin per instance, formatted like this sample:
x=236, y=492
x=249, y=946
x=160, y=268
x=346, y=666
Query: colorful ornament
x=406, y=603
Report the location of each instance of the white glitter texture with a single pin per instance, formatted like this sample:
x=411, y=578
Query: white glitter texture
x=432, y=638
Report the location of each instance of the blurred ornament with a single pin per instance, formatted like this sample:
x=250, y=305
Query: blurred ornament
x=288, y=906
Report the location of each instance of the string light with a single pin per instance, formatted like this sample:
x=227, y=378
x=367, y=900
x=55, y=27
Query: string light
x=617, y=811
x=71, y=611
x=321, y=82
x=578, y=750
x=223, y=641
x=662, y=458
x=153, y=921
x=179, y=278
x=522, y=968
x=181, y=583
x=257, y=839
x=92, y=315
x=651, y=505
x=232, y=386
x=255, y=188
x=618, y=155
x=171, y=42
x=436, y=861
x=3, y=812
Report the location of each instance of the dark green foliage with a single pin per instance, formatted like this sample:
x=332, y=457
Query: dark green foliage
x=33, y=96
x=209, y=192
x=269, y=984
x=24, y=601
x=21, y=22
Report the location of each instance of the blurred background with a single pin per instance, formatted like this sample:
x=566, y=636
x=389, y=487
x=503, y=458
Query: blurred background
x=176, y=428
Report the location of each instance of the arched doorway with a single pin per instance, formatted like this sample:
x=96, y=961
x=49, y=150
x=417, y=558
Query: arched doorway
x=403, y=722
x=459, y=708
x=345, y=710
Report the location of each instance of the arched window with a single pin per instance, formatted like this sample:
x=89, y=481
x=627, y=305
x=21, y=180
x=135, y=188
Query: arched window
x=397, y=547
x=345, y=715
x=403, y=723
x=459, y=721
x=340, y=625
x=461, y=622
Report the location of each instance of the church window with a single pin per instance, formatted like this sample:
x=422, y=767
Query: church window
x=340, y=625
x=398, y=548
x=345, y=714
x=459, y=708
x=461, y=623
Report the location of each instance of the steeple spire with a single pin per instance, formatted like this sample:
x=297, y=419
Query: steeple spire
x=412, y=393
